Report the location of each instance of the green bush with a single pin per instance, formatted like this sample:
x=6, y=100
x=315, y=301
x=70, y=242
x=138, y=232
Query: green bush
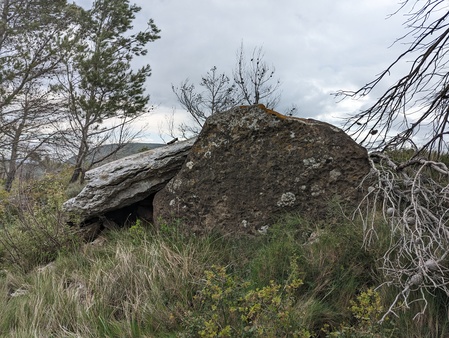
x=34, y=228
x=228, y=307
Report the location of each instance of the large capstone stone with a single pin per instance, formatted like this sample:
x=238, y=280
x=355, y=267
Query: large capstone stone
x=251, y=165
x=127, y=181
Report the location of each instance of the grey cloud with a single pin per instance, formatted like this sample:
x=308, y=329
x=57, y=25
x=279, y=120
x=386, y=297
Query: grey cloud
x=316, y=46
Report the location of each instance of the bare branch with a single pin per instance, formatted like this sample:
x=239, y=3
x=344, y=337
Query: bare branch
x=413, y=198
x=416, y=105
x=255, y=80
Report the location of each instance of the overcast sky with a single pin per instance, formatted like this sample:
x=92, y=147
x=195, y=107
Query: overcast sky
x=317, y=48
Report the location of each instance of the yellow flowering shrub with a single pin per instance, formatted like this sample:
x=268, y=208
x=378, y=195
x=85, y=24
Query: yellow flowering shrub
x=229, y=307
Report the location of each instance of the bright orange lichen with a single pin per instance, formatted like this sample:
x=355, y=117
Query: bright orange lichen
x=272, y=112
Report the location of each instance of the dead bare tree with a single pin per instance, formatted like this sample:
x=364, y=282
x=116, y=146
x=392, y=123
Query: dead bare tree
x=413, y=198
x=28, y=118
x=218, y=94
x=252, y=83
x=418, y=101
x=168, y=127
x=255, y=79
x=412, y=195
x=100, y=144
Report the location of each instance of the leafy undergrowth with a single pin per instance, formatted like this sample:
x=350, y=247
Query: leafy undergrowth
x=301, y=279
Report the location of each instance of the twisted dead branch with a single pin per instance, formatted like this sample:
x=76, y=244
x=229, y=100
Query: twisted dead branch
x=413, y=198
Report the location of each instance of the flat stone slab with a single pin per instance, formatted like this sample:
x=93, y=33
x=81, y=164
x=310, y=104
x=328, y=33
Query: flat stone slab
x=128, y=180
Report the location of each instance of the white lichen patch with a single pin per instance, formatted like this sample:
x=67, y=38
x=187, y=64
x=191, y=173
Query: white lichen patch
x=337, y=130
x=247, y=122
x=287, y=199
x=253, y=124
x=316, y=190
x=334, y=175
x=189, y=165
x=309, y=161
x=174, y=185
x=218, y=143
x=313, y=163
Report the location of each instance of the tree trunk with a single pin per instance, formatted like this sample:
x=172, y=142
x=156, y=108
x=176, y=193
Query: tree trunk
x=12, y=166
x=78, y=171
x=10, y=176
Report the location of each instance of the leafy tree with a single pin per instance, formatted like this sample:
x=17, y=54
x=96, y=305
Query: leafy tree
x=99, y=86
x=28, y=36
x=30, y=33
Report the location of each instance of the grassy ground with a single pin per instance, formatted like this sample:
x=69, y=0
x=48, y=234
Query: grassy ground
x=302, y=279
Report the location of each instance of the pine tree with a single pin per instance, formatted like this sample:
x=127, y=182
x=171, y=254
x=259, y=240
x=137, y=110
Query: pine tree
x=99, y=83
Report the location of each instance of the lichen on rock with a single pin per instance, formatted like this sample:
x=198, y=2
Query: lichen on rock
x=265, y=164
x=287, y=199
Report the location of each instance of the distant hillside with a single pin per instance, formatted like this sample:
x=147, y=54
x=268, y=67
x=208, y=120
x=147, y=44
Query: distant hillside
x=128, y=149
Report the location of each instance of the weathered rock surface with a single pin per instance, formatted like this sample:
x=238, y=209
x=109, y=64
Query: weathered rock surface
x=250, y=165
x=124, y=182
